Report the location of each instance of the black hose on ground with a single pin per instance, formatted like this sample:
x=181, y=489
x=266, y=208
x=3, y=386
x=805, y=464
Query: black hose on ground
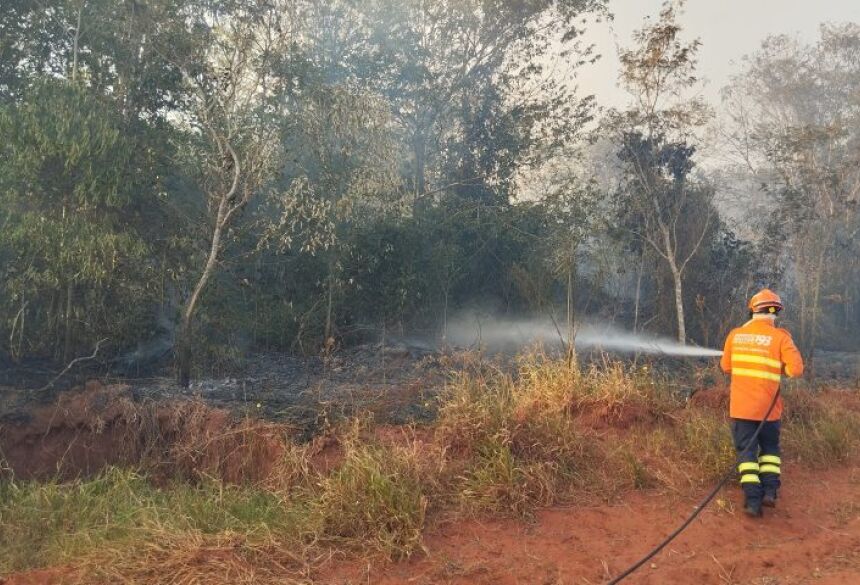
x=698, y=510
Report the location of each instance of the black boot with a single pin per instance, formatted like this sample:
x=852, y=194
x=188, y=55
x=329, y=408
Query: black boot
x=769, y=499
x=752, y=508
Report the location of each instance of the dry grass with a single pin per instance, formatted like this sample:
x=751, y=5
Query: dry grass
x=704, y=439
x=821, y=431
x=193, y=558
x=517, y=433
x=529, y=435
x=54, y=523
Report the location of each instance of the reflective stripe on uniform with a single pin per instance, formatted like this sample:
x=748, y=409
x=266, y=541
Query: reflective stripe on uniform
x=769, y=468
x=770, y=459
x=747, y=466
x=756, y=359
x=750, y=478
x=756, y=374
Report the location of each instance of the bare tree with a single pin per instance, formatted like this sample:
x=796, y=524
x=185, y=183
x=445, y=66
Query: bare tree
x=666, y=210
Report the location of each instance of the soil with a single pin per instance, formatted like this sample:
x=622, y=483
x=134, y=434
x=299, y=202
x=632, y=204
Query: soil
x=90, y=428
x=813, y=536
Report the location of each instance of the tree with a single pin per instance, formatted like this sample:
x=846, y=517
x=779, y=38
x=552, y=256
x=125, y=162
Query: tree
x=666, y=210
x=467, y=85
x=233, y=146
x=343, y=174
x=107, y=46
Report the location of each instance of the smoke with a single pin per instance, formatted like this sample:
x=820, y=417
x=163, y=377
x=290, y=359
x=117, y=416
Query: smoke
x=149, y=353
x=507, y=334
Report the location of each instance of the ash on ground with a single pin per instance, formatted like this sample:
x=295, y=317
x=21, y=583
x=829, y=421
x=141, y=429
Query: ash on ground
x=396, y=382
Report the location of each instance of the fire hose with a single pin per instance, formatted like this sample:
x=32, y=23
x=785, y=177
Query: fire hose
x=698, y=509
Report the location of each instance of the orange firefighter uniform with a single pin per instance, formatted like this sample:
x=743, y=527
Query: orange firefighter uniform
x=757, y=355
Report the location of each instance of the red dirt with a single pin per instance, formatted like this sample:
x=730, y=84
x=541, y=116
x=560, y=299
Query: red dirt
x=712, y=399
x=52, y=576
x=60, y=437
x=812, y=537
x=619, y=415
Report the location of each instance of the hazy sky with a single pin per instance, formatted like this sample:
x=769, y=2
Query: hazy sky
x=728, y=29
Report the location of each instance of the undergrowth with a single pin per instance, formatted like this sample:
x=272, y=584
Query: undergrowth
x=506, y=442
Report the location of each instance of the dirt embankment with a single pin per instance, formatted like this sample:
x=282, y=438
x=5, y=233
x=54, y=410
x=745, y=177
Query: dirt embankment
x=811, y=538
x=98, y=426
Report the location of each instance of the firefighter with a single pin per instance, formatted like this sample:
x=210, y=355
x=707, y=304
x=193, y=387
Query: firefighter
x=757, y=355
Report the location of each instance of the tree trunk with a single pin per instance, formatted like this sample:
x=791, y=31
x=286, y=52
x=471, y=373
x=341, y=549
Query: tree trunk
x=75, y=43
x=183, y=342
x=816, y=302
x=445, y=315
x=18, y=328
x=67, y=336
x=679, y=303
x=420, y=183
x=571, y=310
x=677, y=274
x=638, y=293
x=804, y=337
x=329, y=307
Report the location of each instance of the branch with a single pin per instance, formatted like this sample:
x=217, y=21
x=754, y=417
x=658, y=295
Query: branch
x=234, y=186
x=71, y=365
x=649, y=241
x=699, y=242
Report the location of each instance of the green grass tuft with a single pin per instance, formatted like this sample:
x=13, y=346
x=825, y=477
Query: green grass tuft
x=51, y=523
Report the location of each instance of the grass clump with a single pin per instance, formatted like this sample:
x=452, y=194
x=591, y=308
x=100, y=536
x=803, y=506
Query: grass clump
x=627, y=469
x=376, y=499
x=500, y=483
x=626, y=395
x=705, y=445
x=518, y=433
x=533, y=437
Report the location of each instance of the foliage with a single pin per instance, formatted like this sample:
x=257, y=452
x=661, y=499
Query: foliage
x=79, y=199
x=300, y=176
x=378, y=496
x=792, y=126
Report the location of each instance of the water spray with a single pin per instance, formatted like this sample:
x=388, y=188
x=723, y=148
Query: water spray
x=514, y=333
